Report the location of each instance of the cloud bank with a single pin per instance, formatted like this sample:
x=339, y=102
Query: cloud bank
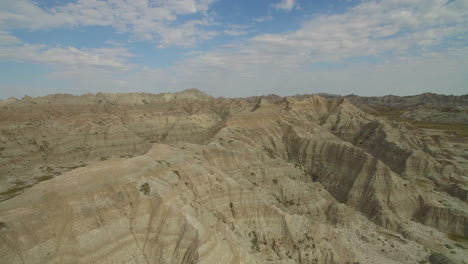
x=286, y=5
x=375, y=47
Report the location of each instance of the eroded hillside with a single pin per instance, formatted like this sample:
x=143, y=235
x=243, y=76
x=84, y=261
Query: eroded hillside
x=187, y=178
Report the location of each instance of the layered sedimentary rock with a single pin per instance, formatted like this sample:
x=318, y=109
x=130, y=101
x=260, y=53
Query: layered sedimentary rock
x=187, y=178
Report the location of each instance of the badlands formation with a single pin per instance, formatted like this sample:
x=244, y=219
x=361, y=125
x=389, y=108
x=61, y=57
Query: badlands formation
x=188, y=178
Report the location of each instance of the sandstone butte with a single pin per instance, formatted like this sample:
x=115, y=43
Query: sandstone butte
x=188, y=178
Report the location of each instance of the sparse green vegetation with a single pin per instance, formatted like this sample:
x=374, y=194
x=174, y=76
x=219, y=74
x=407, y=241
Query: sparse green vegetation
x=163, y=161
x=423, y=183
x=460, y=130
x=297, y=165
x=73, y=167
x=145, y=188
x=231, y=206
x=255, y=246
x=270, y=153
x=12, y=192
x=388, y=112
x=44, y=178
x=449, y=110
x=2, y=225
x=458, y=238
x=460, y=246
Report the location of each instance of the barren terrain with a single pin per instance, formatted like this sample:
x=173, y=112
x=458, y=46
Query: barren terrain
x=188, y=178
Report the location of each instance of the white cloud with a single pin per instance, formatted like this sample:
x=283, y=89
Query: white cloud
x=70, y=57
x=442, y=73
x=420, y=46
x=235, y=32
x=146, y=19
x=438, y=72
x=8, y=39
x=402, y=35
x=376, y=29
x=263, y=19
x=287, y=5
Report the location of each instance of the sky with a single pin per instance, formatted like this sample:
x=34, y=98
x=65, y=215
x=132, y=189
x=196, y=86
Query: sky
x=233, y=48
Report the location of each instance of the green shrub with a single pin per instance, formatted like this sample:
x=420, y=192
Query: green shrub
x=255, y=246
x=145, y=188
x=270, y=153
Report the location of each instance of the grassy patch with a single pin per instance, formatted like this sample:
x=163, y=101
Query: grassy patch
x=21, y=186
x=456, y=237
x=460, y=246
x=254, y=242
x=12, y=192
x=460, y=130
x=425, y=184
x=390, y=113
x=44, y=178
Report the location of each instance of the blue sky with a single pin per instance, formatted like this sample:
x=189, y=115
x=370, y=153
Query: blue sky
x=233, y=47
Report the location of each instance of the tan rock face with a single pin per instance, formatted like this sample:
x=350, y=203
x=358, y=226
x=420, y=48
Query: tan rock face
x=187, y=178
